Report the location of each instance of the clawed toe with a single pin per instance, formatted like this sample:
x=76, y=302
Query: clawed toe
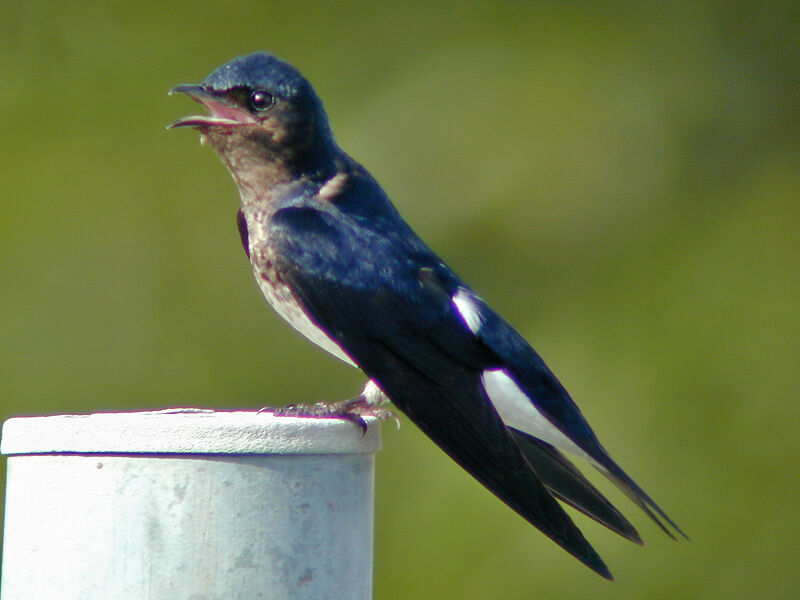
x=320, y=409
x=353, y=410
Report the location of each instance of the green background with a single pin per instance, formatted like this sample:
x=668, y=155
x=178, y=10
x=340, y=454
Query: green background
x=620, y=180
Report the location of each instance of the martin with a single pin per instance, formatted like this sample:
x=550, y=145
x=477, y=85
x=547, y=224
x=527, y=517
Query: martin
x=335, y=259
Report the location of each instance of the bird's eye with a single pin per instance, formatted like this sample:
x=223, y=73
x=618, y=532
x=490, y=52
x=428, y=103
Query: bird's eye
x=261, y=101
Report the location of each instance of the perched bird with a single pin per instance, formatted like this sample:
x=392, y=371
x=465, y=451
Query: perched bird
x=335, y=259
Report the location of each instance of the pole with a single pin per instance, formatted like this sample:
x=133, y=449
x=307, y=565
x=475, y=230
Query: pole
x=185, y=503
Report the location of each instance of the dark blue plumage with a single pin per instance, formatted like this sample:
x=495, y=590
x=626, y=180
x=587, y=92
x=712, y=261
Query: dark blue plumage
x=261, y=71
x=335, y=259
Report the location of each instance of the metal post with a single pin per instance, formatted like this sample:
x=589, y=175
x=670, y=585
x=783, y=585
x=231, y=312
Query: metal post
x=186, y=504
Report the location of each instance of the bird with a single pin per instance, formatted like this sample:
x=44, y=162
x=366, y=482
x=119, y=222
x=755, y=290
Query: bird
x=334, y=258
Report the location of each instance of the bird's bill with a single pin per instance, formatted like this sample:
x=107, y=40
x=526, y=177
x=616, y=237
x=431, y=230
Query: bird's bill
x=221, y=114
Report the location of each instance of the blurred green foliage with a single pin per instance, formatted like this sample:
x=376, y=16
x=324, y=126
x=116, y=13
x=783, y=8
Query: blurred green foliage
x=620, y=180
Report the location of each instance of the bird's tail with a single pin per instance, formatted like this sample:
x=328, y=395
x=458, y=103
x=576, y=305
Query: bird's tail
x=619, y=478
x=569, y=485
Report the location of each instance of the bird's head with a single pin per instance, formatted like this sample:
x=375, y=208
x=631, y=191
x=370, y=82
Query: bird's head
x=263, y=114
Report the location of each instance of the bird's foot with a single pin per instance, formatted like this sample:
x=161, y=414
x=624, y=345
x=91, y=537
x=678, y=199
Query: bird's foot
x=353, y=410
x=362, y=407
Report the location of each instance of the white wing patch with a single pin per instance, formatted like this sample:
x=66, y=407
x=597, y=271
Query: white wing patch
x=518, y=411
x=467, y=306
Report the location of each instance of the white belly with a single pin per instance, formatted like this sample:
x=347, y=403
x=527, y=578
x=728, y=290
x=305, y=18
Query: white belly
x=283, y=301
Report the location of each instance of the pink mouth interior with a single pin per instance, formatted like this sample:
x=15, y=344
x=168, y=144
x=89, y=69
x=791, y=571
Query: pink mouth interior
x=220, y=110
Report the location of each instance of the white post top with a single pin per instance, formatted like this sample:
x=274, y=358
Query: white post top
x=188, y=431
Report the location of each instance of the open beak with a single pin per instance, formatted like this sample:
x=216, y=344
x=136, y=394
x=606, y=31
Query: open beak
x=221, y=114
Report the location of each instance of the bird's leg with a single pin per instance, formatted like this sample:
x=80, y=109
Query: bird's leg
x=366, y=404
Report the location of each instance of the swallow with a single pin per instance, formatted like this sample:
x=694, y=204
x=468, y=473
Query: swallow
x=335, y=259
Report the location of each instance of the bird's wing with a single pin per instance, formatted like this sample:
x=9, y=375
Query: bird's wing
x=382, y=297
x=567, y=483
x=530, y=398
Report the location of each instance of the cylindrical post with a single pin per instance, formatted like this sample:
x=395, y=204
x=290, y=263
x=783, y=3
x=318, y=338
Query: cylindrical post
x=186, y=503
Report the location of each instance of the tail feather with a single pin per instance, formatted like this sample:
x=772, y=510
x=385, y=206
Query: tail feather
x=567, y=483
x=619, y=478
